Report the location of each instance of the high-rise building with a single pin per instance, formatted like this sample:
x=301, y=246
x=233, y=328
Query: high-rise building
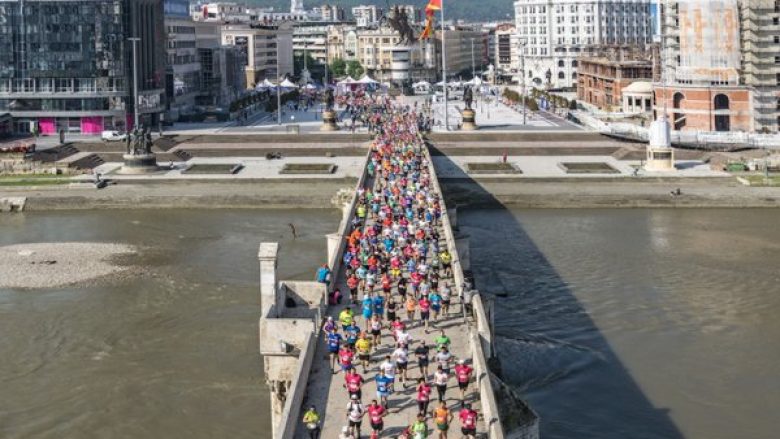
x=366, y=15
x=555, y=32
x=68, y=64
x=721, y=65
x=267, y=50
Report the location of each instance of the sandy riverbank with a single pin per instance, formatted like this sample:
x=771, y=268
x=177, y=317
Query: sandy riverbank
x=54, y=264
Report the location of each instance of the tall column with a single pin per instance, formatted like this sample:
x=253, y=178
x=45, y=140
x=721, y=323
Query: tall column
x=267, y=255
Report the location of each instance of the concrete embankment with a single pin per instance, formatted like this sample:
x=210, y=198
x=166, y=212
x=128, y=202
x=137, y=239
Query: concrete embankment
x=608, y=193
x=267, y=194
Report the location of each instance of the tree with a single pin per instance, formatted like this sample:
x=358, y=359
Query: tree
x=338, y=67
x=354, y=69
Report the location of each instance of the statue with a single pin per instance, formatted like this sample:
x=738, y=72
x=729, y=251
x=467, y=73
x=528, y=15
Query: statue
x=399, y=22
x=329, y=99
x=139, y=141
x=468, y=97
x=548, y=76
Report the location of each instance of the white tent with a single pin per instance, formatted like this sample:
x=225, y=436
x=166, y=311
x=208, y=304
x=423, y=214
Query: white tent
x=367, y=80
x=267, y=83
x=421, y=84
x=475, y=81
x=288, y=84
x=310, y=87
x=347, y=81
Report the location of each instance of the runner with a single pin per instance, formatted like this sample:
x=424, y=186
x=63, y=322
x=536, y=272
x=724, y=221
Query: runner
x=422, y=352
x=442, y=341
x=425, y=311
x=423, y=395
x=463, y=375
x=443, y=358
x=353, y=383
x=363, y=348
x=376, y=413
x=351, y=333
x=367, y=308
x=411, y=307
x=442, y=416
x=355, y=412
x=384, y=385
x=468, y=421
x=376, y=331
x=440, y=378
x=435, y=299
x=311, y=419
x=401, y=357
x=391, y=308
x=446, y=299
x=345, y=357
x=420, y=427
x=346, y=317
x=333, y=340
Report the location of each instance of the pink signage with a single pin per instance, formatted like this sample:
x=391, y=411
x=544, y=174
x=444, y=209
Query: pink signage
x=92, y=125
x=47, y=125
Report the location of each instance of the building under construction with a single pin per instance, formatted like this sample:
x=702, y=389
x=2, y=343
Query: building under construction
x=721, y=65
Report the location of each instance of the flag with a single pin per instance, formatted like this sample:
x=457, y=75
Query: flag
x=433, y=6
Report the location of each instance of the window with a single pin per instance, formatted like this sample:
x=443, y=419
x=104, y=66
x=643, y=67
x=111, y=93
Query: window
x=560, y=63
x=561, y=75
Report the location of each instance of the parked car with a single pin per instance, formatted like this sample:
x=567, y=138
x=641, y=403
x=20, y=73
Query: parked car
x=113, y=136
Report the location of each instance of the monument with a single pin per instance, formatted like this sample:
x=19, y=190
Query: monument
x=138, y=157
x=660, y=155
x=468, y=114
x=329, y=115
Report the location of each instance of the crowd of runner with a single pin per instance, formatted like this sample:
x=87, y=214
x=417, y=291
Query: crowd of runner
x=398, y=276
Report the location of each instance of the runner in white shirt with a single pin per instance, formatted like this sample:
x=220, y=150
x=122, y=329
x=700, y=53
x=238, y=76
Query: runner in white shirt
x=401, y=356
x=403, y=338
x=440, y=378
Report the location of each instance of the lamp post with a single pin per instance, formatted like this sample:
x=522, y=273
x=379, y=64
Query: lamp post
x=473, y=67
x=521, y=45
x=278, y=86
x=444, y=69
x=135, y=41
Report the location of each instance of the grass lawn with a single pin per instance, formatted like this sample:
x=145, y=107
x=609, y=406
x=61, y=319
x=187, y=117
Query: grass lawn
x=760, y=180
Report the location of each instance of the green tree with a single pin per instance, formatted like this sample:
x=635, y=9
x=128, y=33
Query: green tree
x=338, y=67
x=354, y=69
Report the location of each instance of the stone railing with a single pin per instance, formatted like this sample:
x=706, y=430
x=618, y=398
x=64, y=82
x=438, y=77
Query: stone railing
x=291, y=414
x=487, y=395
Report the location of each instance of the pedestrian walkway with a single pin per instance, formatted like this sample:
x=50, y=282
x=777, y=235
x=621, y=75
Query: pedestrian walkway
x=395, y=250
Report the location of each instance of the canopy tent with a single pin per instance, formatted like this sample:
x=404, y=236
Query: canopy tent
x=422, y=84
x=267, y=83
x=347, y=81
x=288, y=84
x=475, y=81
x=366, y=80
x=310, y=87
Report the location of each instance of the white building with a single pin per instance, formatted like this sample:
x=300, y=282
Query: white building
x=556, y=32
x=366, y=15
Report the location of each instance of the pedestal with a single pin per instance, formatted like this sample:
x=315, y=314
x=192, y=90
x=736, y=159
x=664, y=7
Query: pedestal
x=660, y=159
x=468, y=120
x=329, y=121
x=139, y=164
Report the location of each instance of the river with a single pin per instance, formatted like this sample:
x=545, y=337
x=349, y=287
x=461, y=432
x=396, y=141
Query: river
x=616, y=323
x=637, y=323
x=171, y=352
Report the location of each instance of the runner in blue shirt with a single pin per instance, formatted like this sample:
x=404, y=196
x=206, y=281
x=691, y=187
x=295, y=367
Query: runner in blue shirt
x=334, y=341
x=435, y=299
x=352, y=332
x=383, y=385
x=367, y=308
x=379, y=305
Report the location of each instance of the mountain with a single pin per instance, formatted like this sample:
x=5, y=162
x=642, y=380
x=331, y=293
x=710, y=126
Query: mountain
x=470, y=10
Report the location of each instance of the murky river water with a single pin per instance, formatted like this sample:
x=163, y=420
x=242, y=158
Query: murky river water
x=619, y=324
x=170, y=353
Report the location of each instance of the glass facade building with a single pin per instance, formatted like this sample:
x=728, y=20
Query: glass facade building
x=67, y=65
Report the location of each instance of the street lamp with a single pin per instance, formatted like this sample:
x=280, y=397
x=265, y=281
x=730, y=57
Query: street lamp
x=521, y=44
x=278, y=86
x=135, y=41
x=473, y=68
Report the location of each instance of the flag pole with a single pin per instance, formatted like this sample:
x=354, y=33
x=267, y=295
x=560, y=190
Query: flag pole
x=444, y=69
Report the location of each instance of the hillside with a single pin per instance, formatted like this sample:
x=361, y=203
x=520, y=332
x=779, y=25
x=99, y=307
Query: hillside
x=471, y=10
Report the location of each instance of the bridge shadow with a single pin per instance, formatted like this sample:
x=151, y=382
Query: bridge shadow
x=551, y=352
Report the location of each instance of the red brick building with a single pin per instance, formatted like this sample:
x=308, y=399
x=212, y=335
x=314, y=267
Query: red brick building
x=693, y=108
x=600, y=81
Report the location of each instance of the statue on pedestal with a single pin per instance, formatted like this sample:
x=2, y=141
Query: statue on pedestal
x=468, y=97
x=329, y=100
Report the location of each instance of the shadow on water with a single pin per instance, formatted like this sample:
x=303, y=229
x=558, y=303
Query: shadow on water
x=550, y=349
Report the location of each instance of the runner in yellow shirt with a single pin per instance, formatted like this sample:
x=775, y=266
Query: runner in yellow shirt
x=363, y=348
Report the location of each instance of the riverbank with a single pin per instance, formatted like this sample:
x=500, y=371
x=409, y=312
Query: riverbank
x=472, y=192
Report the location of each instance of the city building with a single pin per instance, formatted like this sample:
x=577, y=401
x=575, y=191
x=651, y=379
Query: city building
x=184, y=67
x=718, y=64
x=267, y=50
x=224, y=12
x=466, y=50
x=505, y=52
x=554, y=34
x=379, y=52
x=602, y=78
x=366, y=15
x=67, y=65
x=331, y=13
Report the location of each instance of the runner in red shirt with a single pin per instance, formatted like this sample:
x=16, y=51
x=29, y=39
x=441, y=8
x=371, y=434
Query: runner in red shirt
x=375, y=414
x=353, y=382
x=423, y=395
x=468, y=421
x=463, y=374
x=345, y=358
